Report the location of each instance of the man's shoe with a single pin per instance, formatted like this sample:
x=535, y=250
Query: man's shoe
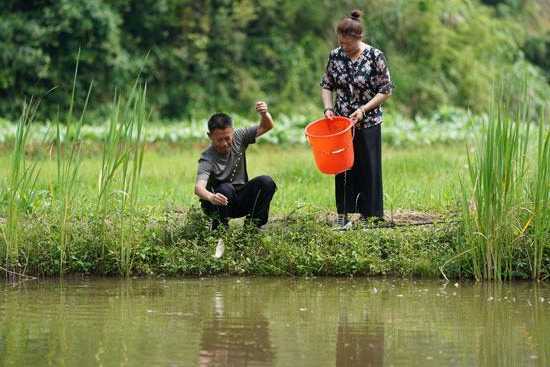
x=222, y=224
x=220, y=249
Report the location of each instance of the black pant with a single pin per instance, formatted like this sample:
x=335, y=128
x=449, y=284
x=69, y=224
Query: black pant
x=251, y=199
x=359, y=190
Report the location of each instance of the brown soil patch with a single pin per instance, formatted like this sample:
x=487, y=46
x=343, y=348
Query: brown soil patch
x=398, y=217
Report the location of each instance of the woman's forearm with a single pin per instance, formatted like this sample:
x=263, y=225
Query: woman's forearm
x=326, y=97
x=376, y=101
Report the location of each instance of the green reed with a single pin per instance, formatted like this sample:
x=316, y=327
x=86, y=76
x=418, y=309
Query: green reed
x=121, y=166
x=498, y=212
x=19, y=190
x=540, y=216
x=68, y=145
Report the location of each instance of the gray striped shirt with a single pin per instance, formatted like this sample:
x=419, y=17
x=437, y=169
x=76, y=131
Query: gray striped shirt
x=214, y=166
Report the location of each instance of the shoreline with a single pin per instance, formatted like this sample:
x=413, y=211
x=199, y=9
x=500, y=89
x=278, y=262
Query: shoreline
x=304, y=245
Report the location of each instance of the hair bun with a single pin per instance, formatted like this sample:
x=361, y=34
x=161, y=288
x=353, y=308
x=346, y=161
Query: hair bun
x=356, y=14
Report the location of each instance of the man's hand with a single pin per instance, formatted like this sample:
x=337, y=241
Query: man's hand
x=261, y=107
x=218, y=199
x=266, y=122
x=212, y=197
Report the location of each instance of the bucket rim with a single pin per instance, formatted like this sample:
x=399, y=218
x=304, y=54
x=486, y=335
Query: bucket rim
x=343, y=131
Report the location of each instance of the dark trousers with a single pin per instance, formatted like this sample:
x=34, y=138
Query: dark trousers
x=251, y=200
x=359, y=190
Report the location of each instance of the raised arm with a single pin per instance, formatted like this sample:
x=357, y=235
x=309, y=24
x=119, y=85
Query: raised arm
x=266, y=121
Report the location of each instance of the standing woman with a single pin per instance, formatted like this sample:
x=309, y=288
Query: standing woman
x=357, y=73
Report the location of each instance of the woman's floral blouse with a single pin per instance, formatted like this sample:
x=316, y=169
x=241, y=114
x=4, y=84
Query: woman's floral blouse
x=357, y=82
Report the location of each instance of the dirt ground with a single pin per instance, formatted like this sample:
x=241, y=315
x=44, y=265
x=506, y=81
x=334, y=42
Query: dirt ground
x=397, y=218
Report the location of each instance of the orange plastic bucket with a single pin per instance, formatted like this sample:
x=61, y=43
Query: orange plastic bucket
x=332, y=143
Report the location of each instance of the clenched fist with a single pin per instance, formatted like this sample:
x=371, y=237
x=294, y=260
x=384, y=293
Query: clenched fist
x=261, y=107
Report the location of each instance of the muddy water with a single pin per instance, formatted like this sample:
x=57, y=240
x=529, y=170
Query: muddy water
x=273, y=322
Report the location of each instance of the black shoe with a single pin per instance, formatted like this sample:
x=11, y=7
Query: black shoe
x=216, y=223
x=376, y=222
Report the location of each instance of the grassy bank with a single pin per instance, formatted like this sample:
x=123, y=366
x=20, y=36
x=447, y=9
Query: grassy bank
x=163, y=233
x=168, y=238
x=181, y=244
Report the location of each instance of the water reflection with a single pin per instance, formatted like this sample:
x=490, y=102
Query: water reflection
x=273, y=322
x=237, y=337
x=359, y=343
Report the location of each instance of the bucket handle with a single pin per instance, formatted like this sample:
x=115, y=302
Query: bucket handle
x=352, y=134
x=337, y=151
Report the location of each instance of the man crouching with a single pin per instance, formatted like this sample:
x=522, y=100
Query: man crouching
x=222, y=181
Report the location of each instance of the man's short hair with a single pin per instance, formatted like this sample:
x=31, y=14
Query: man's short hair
x=219, y=120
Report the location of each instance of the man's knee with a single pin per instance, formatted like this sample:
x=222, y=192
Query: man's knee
x=226, y=189
x=266, y=183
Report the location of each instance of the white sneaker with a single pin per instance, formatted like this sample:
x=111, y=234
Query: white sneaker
x=220, y=248
x=342, y=224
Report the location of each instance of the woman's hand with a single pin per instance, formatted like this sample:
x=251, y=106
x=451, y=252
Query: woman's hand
x=329, y=113
x=357, y=115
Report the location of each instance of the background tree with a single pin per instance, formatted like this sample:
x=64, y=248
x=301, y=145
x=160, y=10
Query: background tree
x=206, y=55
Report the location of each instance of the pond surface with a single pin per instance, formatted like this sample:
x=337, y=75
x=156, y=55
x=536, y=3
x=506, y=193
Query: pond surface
x=273, y=322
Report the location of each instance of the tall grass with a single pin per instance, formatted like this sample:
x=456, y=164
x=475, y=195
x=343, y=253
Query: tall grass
x=122, y=162
x=68, y=145
x=540, y=216
x=499, y=213
x=19, y=190
x=119, y=180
